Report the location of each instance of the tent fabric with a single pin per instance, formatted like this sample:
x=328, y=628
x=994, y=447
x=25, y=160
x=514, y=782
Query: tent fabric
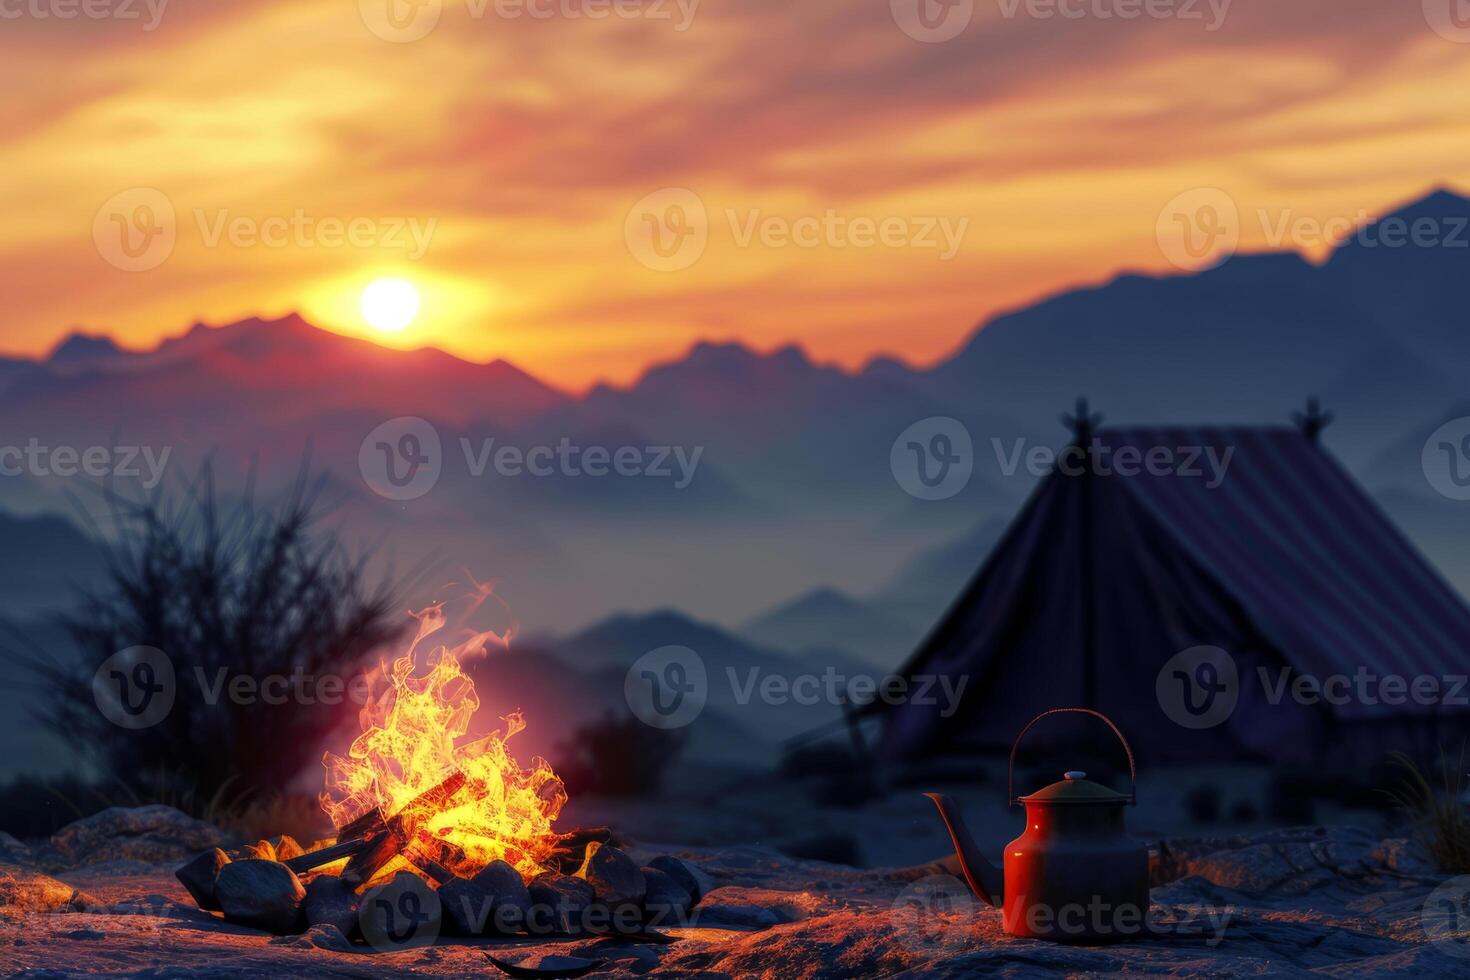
x=1103, y=577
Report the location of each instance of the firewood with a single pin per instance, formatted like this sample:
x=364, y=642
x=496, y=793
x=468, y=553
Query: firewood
x=381, y=848
x=315, y=859
x=427, y=802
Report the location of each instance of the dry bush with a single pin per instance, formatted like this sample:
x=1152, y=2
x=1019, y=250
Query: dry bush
x=1439, y=817
x=238, y=590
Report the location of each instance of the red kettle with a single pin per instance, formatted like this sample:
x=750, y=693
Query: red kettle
x=1074, y=874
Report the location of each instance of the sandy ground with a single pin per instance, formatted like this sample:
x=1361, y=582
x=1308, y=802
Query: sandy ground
x=1306, y=902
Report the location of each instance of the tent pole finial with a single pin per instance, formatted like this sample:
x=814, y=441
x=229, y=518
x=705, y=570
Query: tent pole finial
x=1313, y=420
x=1082, y=422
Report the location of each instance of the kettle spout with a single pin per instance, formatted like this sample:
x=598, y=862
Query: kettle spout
x=985, y=879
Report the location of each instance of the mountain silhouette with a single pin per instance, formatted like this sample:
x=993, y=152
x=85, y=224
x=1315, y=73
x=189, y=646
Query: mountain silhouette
x=794, y=489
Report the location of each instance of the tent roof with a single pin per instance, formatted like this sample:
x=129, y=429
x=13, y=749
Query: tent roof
x=1104, y=576
x=1319, y=569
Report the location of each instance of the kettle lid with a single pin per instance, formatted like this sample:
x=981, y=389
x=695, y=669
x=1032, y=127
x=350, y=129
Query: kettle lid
x=1075, y=787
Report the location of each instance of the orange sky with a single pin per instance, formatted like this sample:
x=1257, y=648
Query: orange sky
x=534, y=156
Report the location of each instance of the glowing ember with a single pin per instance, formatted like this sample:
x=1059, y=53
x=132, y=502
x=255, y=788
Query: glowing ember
x=410, y=744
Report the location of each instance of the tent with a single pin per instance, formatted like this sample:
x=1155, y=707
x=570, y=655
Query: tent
x=1108, y=582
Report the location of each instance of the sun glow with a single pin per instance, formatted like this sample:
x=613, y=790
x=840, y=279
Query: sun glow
x=390, y=304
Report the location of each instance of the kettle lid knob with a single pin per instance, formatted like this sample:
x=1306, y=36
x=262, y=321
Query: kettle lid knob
x=1074, y=774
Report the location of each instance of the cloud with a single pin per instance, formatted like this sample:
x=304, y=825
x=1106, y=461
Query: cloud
x=528, y=139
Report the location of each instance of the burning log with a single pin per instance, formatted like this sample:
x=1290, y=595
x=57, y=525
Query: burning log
x=373, y=840
x=426, y=803
x=312, y=860
x=571, y=850
x=375, y=854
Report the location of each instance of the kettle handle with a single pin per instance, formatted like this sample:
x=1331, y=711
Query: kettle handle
x=1132, y=768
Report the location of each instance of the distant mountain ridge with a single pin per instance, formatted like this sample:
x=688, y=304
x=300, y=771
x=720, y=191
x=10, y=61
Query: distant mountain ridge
x=794, y=489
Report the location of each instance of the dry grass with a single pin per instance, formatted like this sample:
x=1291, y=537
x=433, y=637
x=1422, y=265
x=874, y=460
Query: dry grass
x=1441, y=821
x=297, y=815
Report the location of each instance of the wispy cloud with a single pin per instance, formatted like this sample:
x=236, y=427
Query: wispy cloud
x=1057, y=140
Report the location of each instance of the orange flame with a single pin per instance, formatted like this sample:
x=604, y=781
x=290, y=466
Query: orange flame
x=411, y=743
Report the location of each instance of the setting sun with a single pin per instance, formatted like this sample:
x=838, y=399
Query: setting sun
x=389, y=305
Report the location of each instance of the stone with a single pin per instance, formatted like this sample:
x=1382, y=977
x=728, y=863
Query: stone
x=691, y=878
x=330, y=901
x=262, y=894
x=199, y=876
x=747, y=908
x=559, y=903
x=405, y=913
x=1406, y=857
x=467, y=906
x=326, y=936
x=14, y=851
x=615, y=877
x=152, y=834
x=286, y=847
x=261, y=850
x=512, y=898
x=25, y=890
x=665, y=901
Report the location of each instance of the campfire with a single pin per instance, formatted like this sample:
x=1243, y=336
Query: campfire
x=409, y=783
x=419, y=805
